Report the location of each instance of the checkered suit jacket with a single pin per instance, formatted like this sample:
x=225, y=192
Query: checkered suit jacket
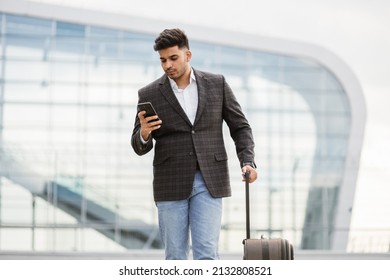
x=179, y=145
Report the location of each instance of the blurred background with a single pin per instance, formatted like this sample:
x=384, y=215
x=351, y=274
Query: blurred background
x=311, y=76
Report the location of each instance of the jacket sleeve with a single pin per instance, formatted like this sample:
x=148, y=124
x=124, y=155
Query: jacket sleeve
x=239, y=127
x=139, y=147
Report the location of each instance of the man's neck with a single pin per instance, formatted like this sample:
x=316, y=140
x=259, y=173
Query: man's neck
x=184, y=80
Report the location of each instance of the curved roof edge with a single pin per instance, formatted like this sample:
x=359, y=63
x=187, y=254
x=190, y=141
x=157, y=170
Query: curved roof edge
x=247, y=41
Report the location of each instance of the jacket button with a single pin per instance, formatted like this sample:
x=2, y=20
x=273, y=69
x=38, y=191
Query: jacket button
x=191, y=154
x=193, y=131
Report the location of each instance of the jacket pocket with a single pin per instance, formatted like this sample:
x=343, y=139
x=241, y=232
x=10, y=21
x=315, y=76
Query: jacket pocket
x=221, y=157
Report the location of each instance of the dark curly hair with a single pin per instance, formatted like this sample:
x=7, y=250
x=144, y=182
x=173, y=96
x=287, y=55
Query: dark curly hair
x=170, y=38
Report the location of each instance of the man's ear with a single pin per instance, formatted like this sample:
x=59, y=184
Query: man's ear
x=189, y=55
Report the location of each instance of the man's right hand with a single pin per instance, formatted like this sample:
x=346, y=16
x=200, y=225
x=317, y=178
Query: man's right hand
x=148, y=124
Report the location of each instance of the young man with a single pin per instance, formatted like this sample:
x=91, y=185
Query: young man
x=190, y=161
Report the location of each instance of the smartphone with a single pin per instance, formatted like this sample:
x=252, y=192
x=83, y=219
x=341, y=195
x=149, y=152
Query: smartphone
x=148, y=107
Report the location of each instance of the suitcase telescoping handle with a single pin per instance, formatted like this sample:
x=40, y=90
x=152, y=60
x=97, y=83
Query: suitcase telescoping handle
x=248, y=226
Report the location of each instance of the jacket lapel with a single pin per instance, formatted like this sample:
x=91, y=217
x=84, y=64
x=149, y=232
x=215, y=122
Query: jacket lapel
x=167, y=92
x=201, y=82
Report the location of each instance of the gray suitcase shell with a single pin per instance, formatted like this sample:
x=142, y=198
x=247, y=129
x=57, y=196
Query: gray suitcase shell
x=264, y=249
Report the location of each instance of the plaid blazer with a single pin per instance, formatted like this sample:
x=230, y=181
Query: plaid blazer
x=179, y=145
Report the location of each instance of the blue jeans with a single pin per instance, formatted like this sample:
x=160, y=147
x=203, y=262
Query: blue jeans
x=200, y=214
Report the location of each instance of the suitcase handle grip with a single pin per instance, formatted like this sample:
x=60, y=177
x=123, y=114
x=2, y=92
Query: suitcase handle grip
x=248, y=227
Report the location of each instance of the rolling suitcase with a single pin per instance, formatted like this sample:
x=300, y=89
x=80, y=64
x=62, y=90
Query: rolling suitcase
x=264, y=249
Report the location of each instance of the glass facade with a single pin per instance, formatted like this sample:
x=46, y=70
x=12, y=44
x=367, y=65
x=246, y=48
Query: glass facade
x=69, y=177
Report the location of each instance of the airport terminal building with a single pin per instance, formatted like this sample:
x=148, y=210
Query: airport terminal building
x=69, y=179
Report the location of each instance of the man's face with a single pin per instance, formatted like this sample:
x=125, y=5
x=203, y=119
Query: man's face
x=175, y=61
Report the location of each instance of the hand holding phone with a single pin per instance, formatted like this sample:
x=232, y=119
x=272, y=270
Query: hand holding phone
x=148, y=127
x=148, y=108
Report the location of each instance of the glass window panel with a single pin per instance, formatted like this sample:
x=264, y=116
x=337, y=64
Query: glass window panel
x=136, y=75
x=46, y=213
x=66, y=116
x=66, y=72
x=303, y=123
x=203, y=55
x=18, y=134
x=332, y=84
x=290, y=61
x=333, y=124
x=34, y=41
x=27, y=31
x=335, y=102
x=97, y=33
x=26, y=92
x=102, y=117
x=23, y=115
x=138, y=49
x=231, y=54
x=66, y=29
x=69, y=43
x=104, y=42
x=265, y=59
x=96, y=137
x=97, y=241
x=103, y=72
x=23, y=54
x=303, y=78
x=56, y=55
x=98, y=94
x=304, y=144
x=129, y=95
x=40, y=73
x=15, y=239
x=64, y=134
x=68, y=93
x=27, y=25
x=16, y=204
